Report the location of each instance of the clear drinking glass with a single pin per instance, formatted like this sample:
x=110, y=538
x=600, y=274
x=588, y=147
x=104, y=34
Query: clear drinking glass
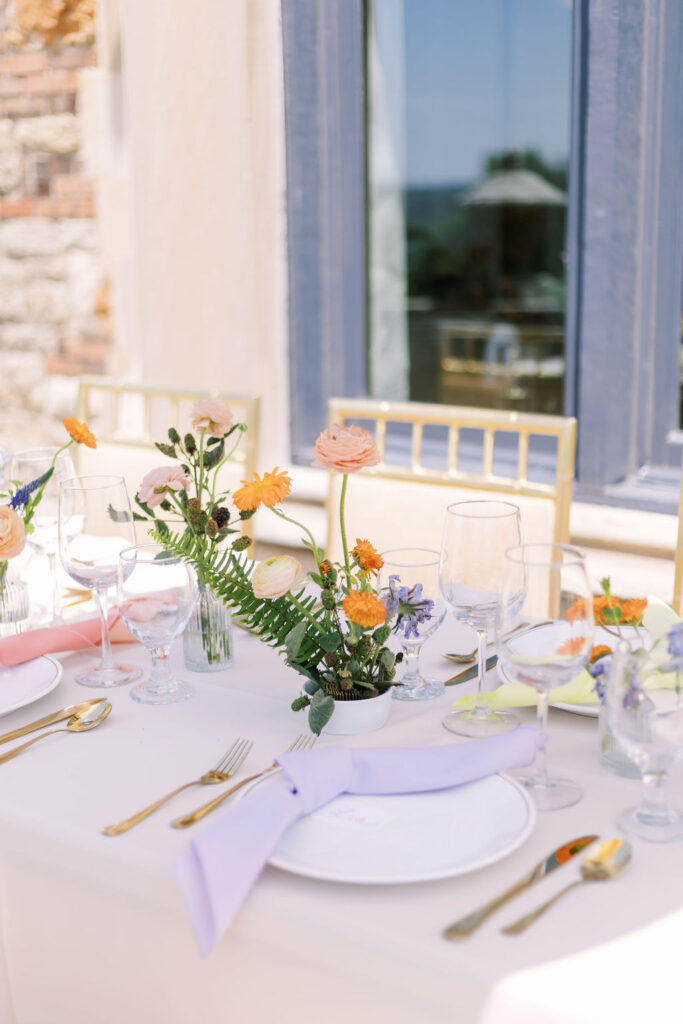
x=157, y=593
x=29, y=465
x=95, y=525
x=645, y=713
x=416, y=568
x=476, y=536
x=544, y=636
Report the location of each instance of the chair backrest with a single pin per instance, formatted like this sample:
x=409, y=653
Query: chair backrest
x=385, y=505
x=127, y=419
x=678, y=574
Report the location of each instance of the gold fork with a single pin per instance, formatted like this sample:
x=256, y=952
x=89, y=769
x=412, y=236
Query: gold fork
x=302, y=742
x=227, y=766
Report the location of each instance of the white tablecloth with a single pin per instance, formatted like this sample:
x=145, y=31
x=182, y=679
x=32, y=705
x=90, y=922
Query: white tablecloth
x=93, y=931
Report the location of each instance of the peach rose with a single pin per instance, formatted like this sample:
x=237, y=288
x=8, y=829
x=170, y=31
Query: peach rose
x=347, y=449
x=213, y=416
x=276, y=577
x=157, y=482
x=12, y=533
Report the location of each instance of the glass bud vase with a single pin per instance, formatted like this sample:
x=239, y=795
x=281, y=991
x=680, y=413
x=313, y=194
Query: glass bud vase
x=14, y=603
x=207, y=640
x=612, y=755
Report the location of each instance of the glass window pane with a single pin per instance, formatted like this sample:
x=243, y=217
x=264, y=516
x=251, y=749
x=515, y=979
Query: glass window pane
x=468, y=129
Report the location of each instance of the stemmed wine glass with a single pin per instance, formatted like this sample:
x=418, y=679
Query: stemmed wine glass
x=476, y=536
x=95, y=525
x=417, y=570
x=645, y=713
x=29, y=465
x=156, y=596
x=544, y=636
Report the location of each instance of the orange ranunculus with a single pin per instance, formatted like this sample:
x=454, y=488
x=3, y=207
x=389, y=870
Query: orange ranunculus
x=632, y=611
x=12, y=533
x=574, y=645
x=598, y=652
x=364, y=609
x=266, y=490
x=367, y=557
x=601, y=603
x=346, y=449
x=80, y=432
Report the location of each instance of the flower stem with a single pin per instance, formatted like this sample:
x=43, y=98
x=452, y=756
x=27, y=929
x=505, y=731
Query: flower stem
x=301, y=526
x=342, y=526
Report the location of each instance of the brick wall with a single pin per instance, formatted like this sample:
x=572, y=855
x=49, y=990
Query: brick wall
x=54, y=315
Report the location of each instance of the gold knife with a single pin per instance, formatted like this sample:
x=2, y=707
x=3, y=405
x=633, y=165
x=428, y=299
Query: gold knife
x=466, y=925
x=40, y=723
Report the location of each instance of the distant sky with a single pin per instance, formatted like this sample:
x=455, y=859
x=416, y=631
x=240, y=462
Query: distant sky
x=481, y=76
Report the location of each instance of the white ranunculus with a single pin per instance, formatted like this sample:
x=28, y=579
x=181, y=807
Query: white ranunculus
x=276, y=576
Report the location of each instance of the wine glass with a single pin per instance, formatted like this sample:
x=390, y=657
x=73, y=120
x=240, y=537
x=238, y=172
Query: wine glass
x=476, y=536
x=645, y=713
x=156, y=596
x=28, y=465
x=417, y=570
x=544, y=636
x=95, y=525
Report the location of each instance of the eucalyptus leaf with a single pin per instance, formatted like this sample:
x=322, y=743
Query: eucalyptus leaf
x=320, y=711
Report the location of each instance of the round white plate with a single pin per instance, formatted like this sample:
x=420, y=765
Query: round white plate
x=412, y=837
x=587, y=710
x=22, y=684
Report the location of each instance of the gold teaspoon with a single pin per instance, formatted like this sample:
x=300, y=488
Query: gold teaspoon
x=88, y=718
x=610, y=858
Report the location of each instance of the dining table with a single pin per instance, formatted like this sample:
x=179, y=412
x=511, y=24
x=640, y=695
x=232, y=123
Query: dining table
x=93, y=929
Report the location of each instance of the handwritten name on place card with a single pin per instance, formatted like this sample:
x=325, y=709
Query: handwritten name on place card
x=353, y=815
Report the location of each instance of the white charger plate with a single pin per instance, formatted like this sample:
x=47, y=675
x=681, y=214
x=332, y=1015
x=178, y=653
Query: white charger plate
x=412, y=837
x=23, y=684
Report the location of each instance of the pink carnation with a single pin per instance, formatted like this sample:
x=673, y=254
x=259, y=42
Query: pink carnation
x=157, y=482
x=347, y=449
x=213, y=416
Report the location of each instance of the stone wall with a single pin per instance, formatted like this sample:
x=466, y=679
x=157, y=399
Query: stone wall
x=54, y=315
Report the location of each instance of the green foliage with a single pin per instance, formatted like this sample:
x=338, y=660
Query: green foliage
x=320, y=711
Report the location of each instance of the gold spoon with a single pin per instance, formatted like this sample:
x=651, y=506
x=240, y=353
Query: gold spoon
x=87, y=718
x=610, y=858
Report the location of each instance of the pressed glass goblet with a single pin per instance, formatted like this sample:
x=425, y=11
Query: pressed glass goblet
x=476, y=536
x=95, y=525
x=645, y=712
x=417, y=570
x=544, y=636
x=28, y=465
x=156, y=595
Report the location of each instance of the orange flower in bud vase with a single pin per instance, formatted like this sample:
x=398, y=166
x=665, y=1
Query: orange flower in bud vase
x=367, y=557
x=267, y=490
x=80, y=432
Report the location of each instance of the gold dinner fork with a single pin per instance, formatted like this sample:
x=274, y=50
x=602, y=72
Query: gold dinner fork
x=302, y=742
x=227, y=766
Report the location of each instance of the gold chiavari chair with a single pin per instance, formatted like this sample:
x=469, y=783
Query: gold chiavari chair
x=403, y=505
x=128, y=419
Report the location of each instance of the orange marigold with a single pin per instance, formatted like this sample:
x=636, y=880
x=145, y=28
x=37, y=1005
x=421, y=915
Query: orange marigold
x=268, y=490
x=598, y=652
x=80, y=432
x=364, y=609
x=576, y=610
x=574, y=645
x=367, y=557
x=632, y=611
x=601, y=603
x=325, y=567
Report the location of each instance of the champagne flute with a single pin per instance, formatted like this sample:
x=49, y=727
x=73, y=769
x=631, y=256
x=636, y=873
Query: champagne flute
x=95, y=525
x=28, y=465
x=476, y=536
x=417, y=570
x=544, y=635
x=156, y=596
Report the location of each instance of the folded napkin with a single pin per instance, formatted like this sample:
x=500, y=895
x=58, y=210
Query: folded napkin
x=225, y=859
x=75, y=637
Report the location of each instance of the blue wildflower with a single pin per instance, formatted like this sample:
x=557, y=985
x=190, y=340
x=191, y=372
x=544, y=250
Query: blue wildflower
x=675, y=647
x=412, y=608
x=599, y=670
x=21, y=497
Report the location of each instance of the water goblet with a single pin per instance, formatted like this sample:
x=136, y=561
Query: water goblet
x=156, y=595
x=544, y=636
x=29, y=465
x=95, y=525
x=644, y=708
x=412, y=574
x=476, y=536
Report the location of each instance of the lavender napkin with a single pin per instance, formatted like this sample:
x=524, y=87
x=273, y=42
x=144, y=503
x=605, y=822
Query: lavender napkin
x=225, y=859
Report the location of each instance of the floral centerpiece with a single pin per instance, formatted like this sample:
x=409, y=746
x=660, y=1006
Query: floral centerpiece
x=22, y=500
x=187, y=494
x=332, y=624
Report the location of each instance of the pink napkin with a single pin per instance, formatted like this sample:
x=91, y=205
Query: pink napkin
x=75, y=637
x=224, y=860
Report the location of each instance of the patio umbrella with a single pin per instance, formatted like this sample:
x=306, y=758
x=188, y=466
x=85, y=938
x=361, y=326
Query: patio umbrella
x=514, y=188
